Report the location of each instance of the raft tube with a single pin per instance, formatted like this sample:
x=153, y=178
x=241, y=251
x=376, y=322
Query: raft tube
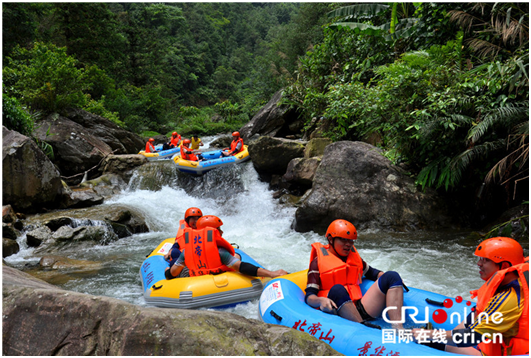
x=212, y=160
x=282, y=303
x=161, y=154
x=225, y=289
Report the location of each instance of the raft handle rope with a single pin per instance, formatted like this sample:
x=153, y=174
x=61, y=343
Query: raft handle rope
x=405, y=287
x=277, y=317
x=370, y=325
x=435, y=303
x=156, y=287
x=235, y=245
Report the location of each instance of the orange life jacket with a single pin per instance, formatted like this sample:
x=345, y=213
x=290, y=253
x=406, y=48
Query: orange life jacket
x=201, y=254
x=149, y=147
x=175, y=140
x=333, y=270
x=185, y=156
x=518, y=344
x=179, y=237
x=234, y=143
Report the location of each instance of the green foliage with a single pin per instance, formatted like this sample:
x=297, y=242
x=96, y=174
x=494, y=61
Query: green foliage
x=16, y=117
x=45, y=78
x=98, y=107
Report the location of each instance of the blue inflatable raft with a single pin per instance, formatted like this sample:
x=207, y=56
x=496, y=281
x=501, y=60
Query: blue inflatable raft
x=282, y=302
x=161, y=154
x=211, y=160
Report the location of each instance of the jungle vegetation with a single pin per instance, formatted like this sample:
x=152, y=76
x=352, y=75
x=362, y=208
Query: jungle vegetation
x=442, y=88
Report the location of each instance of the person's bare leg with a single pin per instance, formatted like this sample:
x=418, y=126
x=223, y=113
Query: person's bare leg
x=374, y=301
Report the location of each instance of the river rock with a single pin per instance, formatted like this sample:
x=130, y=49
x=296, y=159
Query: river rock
x=41, y=319
x=80, y=140
x=36, y=237
x=30, y=180
x=120, y=140
x=56, y=262
x=273, y=120
x=272, y=155
x=76, y=150
x=315, y=147
x=357, y=183
x=81, y=198
x=9, y=232
x=301, y=171
x=223, y=141
x=105, y=185
x=122, y=165
x=9, y=247
x=8, y=214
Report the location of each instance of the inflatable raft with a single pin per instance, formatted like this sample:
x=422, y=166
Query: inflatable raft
x=282, y=302
x=225, y=289
x=212, y=160
x=161, y=154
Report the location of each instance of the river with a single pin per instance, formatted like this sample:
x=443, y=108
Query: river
x=442, y=262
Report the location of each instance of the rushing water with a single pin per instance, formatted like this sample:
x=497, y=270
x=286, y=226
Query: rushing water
x=442, y=262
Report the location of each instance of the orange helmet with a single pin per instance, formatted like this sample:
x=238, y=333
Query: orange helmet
x=342, y=228
x=186, y=141
x=209, y=221
x=499, y=249
x=192, y=212
x=174, y=134
x=235, y=134
x=151, y=140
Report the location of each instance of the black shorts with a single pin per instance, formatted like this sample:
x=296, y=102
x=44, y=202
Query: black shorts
x=364, y=315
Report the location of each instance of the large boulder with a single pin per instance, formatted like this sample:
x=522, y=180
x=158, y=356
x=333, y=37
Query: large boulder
x=30, y=180
x=81, y=140
x=272, y=155
x=122, y=165
x=357, y=183
x=120, y=140
x=41, y=319
x=272, y=120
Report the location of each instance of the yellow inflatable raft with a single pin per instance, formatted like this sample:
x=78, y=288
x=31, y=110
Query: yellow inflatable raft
x=225, y=289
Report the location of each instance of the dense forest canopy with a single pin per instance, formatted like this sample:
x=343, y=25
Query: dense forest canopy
x=441, y=87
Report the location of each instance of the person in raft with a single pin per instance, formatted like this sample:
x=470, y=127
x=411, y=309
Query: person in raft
x=502, y=305
x=206, y=252
x=236, y=145
x=150, y=146
x=191, y=215
x=187, y=153
x=335, y=274
x=196, y=142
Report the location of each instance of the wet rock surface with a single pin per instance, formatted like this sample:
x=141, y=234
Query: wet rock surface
x=41, y=319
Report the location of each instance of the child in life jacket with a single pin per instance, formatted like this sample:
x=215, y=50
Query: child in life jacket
x=499, y=325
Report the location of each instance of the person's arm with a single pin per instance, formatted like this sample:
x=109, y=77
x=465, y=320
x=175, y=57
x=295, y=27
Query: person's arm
x=246, y=268
x=252, y=270
x=370, y=272
x=177, y=267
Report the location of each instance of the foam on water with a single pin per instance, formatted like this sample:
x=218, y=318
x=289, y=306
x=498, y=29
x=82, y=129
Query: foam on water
x=262, y=228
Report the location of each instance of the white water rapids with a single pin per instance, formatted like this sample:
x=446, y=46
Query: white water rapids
x=442, y=262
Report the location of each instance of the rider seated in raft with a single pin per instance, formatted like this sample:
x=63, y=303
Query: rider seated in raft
x=173, y=143
x=502, y=306
x=150, y=147
x=187, y=153
x=235, y=147
x=203, y=256
x=335, y=274
x=191, y=215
